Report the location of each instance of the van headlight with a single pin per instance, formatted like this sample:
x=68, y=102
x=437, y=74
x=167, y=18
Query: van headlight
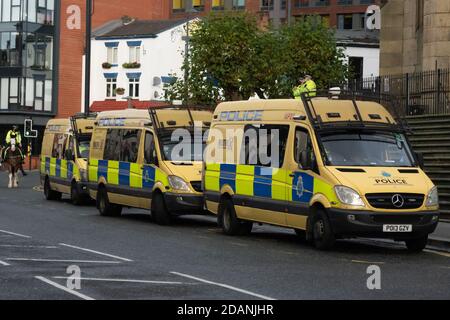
x=349, y=196
x=178, y=183
x=433, y=198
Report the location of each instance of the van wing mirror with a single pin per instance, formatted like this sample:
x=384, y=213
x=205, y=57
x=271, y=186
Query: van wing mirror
x=420, y=160
x=69, y=155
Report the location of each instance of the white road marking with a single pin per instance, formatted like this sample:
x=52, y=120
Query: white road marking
x=56, y=285
x=122, y=280
x=444, y=254
x=96, y=252
x=56, y=260
x=223, y=286
x=366, y=262
x=3, y=263
x=15, y=234
x=20, y=246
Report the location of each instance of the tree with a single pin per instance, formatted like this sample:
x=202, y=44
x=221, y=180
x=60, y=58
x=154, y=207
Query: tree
x=231, y=58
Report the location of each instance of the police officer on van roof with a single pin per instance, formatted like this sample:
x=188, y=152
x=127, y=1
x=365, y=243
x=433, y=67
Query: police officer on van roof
x=307, y=85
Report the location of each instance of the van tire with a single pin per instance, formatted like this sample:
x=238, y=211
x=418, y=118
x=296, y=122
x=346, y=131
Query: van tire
x=160, y=213
x=323, y=236
x=230, y=223
x=49, y=193
x=75, y=196
x=417, y=245
x=106, y=208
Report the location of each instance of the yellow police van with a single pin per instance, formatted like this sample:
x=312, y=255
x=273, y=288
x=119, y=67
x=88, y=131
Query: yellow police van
x=329, y=167
x=148, y=159
x=65, y=149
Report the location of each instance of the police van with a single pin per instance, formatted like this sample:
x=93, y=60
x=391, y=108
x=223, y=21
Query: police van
x=65, y=150
x=148, y=159
x=329, y=167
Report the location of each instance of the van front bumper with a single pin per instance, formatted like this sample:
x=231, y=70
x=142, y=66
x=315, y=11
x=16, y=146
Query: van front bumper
x=180, y=203
x=347, y=223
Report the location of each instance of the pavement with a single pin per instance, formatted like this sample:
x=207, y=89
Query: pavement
x=52, y=250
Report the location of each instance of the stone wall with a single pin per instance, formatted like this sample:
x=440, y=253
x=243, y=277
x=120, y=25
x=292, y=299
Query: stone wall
x=407, y=45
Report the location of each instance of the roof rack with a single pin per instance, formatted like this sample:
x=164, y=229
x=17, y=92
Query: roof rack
x=358, y=123
x=159, y=129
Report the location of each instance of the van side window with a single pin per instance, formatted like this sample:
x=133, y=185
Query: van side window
x=59, y=146
x=113, y=145
x=303, y=150
x=264, y=145
x=70, y=152
x=149, y=149
x=130, y=145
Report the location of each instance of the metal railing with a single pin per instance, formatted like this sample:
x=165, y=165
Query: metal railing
x=421, y=93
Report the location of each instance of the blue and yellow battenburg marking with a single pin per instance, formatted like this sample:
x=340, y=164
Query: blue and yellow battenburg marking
x=59, y=168
x=265, y=182
x=126, y=174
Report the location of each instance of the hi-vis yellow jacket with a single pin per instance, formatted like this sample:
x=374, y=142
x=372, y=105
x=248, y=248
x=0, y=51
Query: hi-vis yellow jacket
x=308, y=86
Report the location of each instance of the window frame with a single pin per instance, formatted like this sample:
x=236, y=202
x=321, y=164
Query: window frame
x=309, y=146
x=111, y=87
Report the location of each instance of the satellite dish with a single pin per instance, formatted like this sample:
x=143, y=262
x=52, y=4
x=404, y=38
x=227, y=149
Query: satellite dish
x=156, y=81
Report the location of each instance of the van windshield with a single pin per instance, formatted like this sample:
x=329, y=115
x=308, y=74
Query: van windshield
x=367, y=149
x=84, y=144
x=183, y=149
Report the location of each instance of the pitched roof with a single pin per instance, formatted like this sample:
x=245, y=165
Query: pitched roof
x=109, y=105
x=138, y=28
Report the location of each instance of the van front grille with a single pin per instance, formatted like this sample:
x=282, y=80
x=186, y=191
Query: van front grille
x=395, y=201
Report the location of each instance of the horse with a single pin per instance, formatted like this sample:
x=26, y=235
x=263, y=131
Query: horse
x=12, y=163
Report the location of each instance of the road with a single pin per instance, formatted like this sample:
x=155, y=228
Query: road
x=132, y=258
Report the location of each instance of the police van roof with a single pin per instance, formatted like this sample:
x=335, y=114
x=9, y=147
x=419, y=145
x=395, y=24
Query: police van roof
x=64, y=125
x=167, y=117
x=328, y=109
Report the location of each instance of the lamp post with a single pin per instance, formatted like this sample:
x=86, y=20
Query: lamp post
x=87, y=55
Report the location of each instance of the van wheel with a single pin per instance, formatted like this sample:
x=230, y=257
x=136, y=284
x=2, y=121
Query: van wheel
x=159, y=210
x=75, y=196
x=229, y=222
x=49, y=193
x=323, y=236
x=417, y=245
x=105, y=207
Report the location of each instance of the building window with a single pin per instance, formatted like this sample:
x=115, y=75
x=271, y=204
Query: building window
x=134, y=88
x=356, y=21
x=239, y=4
x=178, y=5
x=218, y=4
x=198, y=5
x=10, y=45
x=112, y=53
x=135, y=54
x=39, y=94
x=15, y=10
x=111, y=86
x=45, y=12
x=266, y=5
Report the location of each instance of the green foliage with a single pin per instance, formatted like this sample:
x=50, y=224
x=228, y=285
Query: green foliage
x=231, y=58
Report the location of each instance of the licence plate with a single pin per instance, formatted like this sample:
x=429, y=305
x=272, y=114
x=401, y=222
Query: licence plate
x=397, y=228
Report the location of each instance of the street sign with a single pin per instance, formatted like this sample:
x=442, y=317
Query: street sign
x=28, y=131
